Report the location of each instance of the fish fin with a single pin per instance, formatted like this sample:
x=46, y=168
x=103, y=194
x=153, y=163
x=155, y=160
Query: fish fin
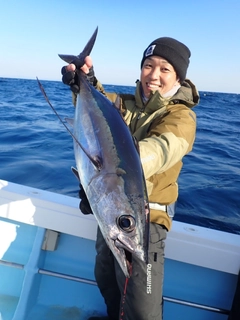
x=48, y=101
x=70, y=121
x=96, y=161
x=78, y=61
x=75, y=172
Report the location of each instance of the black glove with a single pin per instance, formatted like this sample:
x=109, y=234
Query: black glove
x=84, y=205
x=71, y=79
x=91, y=77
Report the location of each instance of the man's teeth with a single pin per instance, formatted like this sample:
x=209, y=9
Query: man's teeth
x=153, y=86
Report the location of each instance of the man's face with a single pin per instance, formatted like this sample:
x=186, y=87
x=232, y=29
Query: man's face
x=157, y=74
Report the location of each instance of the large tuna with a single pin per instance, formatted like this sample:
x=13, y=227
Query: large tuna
x=109, y=169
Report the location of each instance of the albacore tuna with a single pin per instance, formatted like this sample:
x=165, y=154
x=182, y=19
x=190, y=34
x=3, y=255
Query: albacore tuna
x=110, y=170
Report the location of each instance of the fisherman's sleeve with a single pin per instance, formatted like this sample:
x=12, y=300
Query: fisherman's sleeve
x=168, y=141
x=100, y=87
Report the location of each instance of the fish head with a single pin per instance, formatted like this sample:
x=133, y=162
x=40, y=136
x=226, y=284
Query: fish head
x=125, y=220
x=126, y=241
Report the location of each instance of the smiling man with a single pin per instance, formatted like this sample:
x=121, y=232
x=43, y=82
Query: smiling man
x=161, y=119
x=158, y=74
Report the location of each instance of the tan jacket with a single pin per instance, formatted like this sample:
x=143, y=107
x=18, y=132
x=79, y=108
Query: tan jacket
x=165, y=129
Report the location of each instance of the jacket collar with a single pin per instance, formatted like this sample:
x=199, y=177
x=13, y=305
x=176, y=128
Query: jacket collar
x=187, y=94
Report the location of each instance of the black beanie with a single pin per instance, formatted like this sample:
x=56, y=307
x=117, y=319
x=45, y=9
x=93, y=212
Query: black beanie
x=175, y=52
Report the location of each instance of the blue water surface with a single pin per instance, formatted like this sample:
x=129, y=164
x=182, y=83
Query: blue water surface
x=37, y=151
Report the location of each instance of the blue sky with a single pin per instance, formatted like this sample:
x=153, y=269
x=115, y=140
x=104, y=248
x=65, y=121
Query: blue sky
x=32, y=33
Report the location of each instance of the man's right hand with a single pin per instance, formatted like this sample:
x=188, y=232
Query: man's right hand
x=70, y=76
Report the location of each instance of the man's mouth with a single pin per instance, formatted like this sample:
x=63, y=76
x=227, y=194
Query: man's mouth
x=152, y=86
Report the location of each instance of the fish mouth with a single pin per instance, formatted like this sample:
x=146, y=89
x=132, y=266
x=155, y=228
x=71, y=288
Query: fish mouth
x=124, y=257
x=126, y=244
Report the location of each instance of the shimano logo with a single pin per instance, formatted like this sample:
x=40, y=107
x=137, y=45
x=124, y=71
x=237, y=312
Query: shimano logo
x=149, y=278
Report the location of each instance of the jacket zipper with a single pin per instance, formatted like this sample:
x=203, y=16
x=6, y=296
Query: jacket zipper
x=138, y=117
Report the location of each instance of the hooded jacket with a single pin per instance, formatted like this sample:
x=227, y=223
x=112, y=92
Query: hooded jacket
x=165, y=129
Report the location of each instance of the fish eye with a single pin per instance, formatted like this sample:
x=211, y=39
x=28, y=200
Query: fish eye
x=126, y=223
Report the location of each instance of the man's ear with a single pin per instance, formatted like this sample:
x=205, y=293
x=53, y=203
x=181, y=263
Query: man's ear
x=177, y=82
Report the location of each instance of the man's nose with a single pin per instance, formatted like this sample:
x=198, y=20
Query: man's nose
x=155, y=74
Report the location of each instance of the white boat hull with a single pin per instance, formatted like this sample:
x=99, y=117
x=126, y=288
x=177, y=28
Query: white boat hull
x=47, y=259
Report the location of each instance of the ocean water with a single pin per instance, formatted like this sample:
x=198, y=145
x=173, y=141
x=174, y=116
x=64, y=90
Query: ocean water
x=37, y=151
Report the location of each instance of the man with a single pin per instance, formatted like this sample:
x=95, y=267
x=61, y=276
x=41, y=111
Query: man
x=159, y=116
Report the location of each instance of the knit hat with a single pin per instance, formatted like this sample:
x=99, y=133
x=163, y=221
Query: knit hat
x=175, y=52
